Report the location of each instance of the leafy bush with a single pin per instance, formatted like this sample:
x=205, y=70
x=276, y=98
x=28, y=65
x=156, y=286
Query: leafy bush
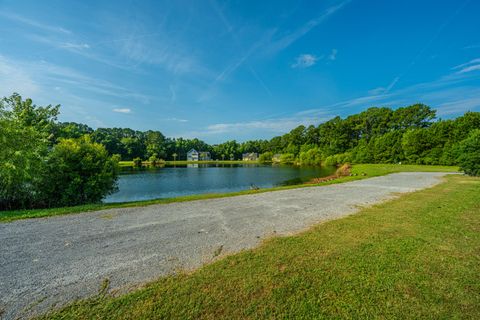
x=265, y=157
x=80, y=172
x=35, y=173
x=287, y=158
x=153, y=160
x=469, y=159
x=311, y=157
x=137, y=162
x=330, y=161
x=337, y=159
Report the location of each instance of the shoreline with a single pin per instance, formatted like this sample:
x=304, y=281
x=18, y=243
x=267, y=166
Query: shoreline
x=371, y=170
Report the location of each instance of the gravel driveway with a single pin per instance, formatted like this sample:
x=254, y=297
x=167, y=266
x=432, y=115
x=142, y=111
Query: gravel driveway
x=51, y=261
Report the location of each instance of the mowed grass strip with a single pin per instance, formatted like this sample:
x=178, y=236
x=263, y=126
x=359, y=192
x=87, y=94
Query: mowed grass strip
x=414, y=257
x=370, y=170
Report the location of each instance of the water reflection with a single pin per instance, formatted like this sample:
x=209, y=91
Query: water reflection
x=173, y=181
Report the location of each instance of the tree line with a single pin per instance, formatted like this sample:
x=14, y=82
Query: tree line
x=46, y=163
x=410, y=134
x=130, y=144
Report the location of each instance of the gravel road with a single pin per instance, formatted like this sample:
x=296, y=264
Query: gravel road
x=48, y=262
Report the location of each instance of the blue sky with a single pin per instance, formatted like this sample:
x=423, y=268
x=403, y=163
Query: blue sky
x=221, y=70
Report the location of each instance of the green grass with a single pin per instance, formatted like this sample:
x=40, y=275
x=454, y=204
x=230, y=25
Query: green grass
x=371, y=170
x=414, y=257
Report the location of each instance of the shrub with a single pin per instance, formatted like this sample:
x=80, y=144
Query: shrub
x=137, y=162
x=287, y=158
x=265, y=157
x=153, y=160
x=338, y=159
x=469, y=159
x=80, y=172
x=330, y=161
x=311, y=157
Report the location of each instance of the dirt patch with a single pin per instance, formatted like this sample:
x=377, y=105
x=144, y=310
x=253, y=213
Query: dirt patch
x=342, y=171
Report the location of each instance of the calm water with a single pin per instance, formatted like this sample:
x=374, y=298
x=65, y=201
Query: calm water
x=167, y=182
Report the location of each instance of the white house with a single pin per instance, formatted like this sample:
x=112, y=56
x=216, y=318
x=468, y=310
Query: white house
x=192, y=155
x=252, y=156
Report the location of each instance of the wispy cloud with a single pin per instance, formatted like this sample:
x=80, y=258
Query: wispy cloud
x=175, y=119
x=33, y=23
x=173, y=94
x=449, y=95
x=133, y=43
x=60, y=74
x=76, y=45
x=428, y=44
x=305, y=61
x=234, y=66
x=268, y=44
x=231, y=68
x=15, y=79
x=470, y=66
x=287, y=39
x=38, y=79
x=275, y=126
x=230, y=30
x=333, y=55
x=459, y=106
x=122, y=110
x=58, y=43
x=472, y=46
x=384, y=90
x=309, y=60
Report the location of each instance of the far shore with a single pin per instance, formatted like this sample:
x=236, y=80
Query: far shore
x=185, y=162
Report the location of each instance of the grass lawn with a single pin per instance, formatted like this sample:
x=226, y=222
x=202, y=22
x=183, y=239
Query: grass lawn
x=370, y=170
x=417, y=256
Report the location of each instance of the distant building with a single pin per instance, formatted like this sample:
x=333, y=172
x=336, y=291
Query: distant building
x=194, y=155
x=252, y=156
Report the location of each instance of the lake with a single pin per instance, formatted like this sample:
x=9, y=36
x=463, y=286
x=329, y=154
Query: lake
x=152, y=183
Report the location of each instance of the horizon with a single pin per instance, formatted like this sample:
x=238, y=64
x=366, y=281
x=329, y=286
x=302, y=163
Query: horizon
x=238, y=71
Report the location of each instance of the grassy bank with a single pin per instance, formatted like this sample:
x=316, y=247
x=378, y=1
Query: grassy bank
x=370, y=170
x=413, y=257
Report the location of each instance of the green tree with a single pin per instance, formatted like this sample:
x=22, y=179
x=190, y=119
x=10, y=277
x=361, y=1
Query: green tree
x=387, y=148
x=80, y=172
x=414, y=116
x=73, y=130
x=469, y=159
x=287, y=158
x=311, y=157
x=25, y=138
x=265, y=157
x=416, y=143
x=155, y=144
